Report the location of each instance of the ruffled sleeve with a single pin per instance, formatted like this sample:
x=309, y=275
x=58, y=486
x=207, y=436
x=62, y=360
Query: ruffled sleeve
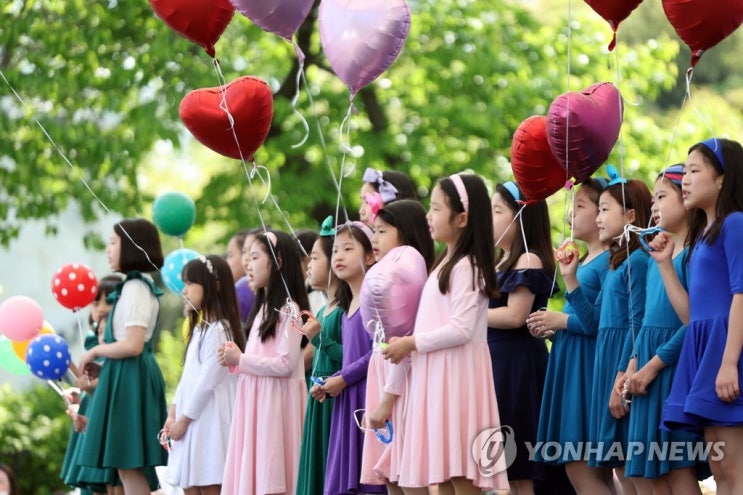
x=537, y=280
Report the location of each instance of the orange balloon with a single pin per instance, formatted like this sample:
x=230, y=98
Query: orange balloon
x=19, y=348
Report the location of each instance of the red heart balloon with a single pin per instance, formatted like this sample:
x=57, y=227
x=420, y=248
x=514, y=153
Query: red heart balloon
x=535, y=168
x=582, y=128
x=613, y=12
x=74, y=286
x=703, y=23
x=201, y=21
x=250, y=103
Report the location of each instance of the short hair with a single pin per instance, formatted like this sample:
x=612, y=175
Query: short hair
x=140, y=245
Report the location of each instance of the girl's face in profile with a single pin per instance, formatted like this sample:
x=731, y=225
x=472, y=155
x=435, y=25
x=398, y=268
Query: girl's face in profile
x=385, y=238
x=318, y=271
x=583, y=216
x=113, y=251
x=259, y=266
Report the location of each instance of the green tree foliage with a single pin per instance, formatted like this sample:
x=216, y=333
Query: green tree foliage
x=105, y=80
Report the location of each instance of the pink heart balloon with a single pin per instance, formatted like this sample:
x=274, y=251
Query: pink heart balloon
x=392, y=290
x=282, y=17
x=583, y=126
x=362, y=38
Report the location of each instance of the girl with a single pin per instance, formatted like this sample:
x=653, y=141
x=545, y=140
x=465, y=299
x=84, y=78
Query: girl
x=657, y=348
x=381, y=188
x=524, y=268
x=450, y=365
x=73, y=473
x=264, y=441
x=237, y=256
x=7, y=480
x=617, y=313
x=201, y=414
x=705, y=394
x=565, y=410
x=390, y=294
x=352, y=257
x=128, y=407
x=325, y=335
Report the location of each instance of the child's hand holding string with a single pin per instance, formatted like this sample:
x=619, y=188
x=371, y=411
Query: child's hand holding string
x=179, y=428
x=228, y=354
x=311, y=327
x=318, y=393
x=378, y=418
x=334, y=385
x=662, y=247
x=398, y=347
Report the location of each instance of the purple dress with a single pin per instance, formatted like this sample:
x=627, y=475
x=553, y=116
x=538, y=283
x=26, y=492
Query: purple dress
x=245, y=298
x=346, y=439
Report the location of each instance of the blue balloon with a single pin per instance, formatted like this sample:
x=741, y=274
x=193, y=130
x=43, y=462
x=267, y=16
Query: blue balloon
x=48, y=357
x=173, y=266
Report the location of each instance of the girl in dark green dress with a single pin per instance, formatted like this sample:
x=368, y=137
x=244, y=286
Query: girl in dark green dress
x=128, y=408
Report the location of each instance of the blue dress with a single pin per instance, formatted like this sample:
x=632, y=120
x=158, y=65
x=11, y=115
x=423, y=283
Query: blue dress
x=715, y=275
x=519, y=364
x=662, y=334
x=564, y=416
x=618, y=313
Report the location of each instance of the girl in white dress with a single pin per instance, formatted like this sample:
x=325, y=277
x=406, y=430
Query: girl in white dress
x=199, y=420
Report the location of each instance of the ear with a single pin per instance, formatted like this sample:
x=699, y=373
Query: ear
x=460, y=220
x=369, y=258
x=629, y=216
x=718, y=181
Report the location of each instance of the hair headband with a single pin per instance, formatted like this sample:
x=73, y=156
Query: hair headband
x=715, y=146
x=327, y=230
x=209, y=266
x=359, y=225
x=386, y=190
x=271, y=238
x=513, y=189
x=674, y=173
x=375, y=202
x=614, y=177
x=461, y=191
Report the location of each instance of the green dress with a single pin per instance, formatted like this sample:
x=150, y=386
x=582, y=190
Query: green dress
x=128, y=408
x=327, y=360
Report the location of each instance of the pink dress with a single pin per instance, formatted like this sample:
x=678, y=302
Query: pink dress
x=266, y=433
x=451, y=421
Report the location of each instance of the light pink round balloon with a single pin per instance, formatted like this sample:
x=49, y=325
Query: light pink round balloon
x=391, y=292
x=282, y=17
x=21, y=318
x=361, y=38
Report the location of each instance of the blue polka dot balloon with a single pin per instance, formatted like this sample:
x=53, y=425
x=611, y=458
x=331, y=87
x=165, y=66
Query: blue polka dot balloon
x=48, y=357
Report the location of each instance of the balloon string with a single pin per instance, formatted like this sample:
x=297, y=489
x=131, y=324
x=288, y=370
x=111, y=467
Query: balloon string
x=80, y=330
x=689, y=75
x=300, y=72
x=513, y=220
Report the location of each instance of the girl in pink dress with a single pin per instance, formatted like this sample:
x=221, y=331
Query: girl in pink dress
x=452, y=430
x=266, y=433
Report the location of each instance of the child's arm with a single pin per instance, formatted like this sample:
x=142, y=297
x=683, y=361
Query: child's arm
x=328, y=344
x=281, y=364
x=662, y=252
x=637, y=268
x=520, y=301
x=131, y=346
x=726, y=384
x=212, y=374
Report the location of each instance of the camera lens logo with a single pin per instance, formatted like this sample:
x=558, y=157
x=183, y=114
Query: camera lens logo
x=494, y=450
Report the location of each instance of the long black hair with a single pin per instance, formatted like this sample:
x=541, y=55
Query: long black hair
x=409, y=218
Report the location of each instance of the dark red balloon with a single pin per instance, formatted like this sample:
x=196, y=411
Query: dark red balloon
x=613, y=12
x=250, y=103
x=535, y=168
x=74, y=286
x=702, y=24
x=201, y=21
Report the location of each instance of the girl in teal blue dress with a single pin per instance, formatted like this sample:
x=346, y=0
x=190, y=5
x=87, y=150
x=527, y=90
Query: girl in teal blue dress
x=128, y=408
x=657, y=349
x=565, y=411
x=617, y=313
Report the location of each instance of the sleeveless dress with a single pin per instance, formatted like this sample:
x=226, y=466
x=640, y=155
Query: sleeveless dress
x=662, y=333
x=128, y=408
x=519, y=364
x=715, y=275
x=565, y=411
x=206, y=394
x=618, y=312
x=326, y=361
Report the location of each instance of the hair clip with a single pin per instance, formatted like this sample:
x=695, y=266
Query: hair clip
x=674, y=173
x=715, y=146
x=614, y=177
x=208, y=263
x=386, y=190
x=461, y=191
x=327, y=230
x=375, y=202
x=271, y=237
x=513, y=190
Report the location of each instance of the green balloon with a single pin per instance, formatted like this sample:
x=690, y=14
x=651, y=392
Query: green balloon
x=8, y=359
x=173, y=213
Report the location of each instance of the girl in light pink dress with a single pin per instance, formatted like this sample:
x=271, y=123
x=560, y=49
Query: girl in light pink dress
x=452, y=430
x=266, y=433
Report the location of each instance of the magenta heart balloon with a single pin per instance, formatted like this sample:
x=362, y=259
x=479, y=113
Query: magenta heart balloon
x=361, y=38
x=583, y=126
x=282, y=17
x=392, y=290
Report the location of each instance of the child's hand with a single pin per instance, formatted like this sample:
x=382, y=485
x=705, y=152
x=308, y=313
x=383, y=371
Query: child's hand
x=228, y=354
x=543, y=324
x=179, y=428
x=617, y=407
x=568, y=265
x=86, y=361
x=72, y=395
x=662, y=247
x=311, y=327
x=567, y=251
x=80, y=423
x=726, y=384
x=640, y=381
x=378, y=418
x=318, y=393
x=398, y=347
x=334, y=385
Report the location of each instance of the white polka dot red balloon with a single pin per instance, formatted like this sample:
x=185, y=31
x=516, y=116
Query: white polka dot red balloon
x=74, y=286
